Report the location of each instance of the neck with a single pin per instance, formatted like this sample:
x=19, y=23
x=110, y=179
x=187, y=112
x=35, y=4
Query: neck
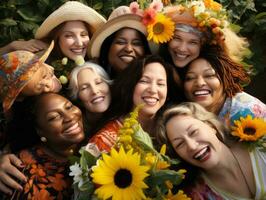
x=93, y=118
x=58, y=152
x=147, y=124
x=217, y=106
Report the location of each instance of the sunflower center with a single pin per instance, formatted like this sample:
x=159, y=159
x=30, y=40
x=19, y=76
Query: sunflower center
x=249, y=131
x=158, y=28
x=123, y=178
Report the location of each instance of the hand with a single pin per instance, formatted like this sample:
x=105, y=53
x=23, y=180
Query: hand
x=32, y=45
x=9, y=165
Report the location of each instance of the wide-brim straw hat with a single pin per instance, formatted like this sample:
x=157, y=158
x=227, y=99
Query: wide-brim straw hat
x=123, y=21
x=16, y=70
x=70, y=11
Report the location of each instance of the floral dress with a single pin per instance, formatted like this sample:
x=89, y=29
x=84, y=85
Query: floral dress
x=241, y=105
x=47, y=177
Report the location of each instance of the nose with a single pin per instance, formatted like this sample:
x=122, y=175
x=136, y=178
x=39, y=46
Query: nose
x=128, y=47
x=78, y=41
x=152, y=87
x=69, y=116
x=191, y=144
x=200, y=81
x=182, y=46
x=94, y=89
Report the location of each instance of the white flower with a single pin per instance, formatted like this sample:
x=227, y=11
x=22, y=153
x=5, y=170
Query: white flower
x=79, y=60
x=64, y=61
x=76, y=171
x=199, y=7
x=63, y=79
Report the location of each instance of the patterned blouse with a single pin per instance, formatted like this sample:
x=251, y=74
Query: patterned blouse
x=47, y=177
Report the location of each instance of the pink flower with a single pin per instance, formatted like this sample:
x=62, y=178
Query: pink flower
x=148, y=16
x=157, y=5
x=134, y=7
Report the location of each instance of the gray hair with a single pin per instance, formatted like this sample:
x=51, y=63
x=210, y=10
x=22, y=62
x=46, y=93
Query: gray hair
x=188, y=29
x=194, y=110
x=73, y=83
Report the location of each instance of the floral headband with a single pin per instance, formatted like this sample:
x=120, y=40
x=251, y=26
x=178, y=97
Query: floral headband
x=162, y=18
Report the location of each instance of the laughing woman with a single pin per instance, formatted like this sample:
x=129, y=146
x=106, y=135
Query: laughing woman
x=147, y=81
x=216, y=82
x=226, y=170
x=90, y=86
x=49, y=131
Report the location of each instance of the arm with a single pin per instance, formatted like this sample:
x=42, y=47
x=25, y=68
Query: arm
x=9, y=165
x=32, y=45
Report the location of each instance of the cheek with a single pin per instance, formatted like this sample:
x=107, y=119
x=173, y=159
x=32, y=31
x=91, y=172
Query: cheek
x=139, y=51
x=188, y=88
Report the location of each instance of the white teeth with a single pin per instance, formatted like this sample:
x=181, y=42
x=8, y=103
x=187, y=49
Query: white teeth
x=201, y=153
x=97, y=99
x=77, y=50
x=201, y=92
x=72, y=128
x=150, y=100
x=127, y=59
x=180, y=56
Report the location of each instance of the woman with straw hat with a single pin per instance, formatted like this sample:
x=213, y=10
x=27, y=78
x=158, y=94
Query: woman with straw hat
x=119, y=41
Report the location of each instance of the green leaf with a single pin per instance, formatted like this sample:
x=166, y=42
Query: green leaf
x=8, y=22
x=27, y=14
x=86, y=159
x=18, y=2
x=98, y=6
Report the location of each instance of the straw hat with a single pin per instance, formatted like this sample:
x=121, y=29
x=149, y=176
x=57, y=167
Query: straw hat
x=70, y=11
x=116, y=21
x=16, y=69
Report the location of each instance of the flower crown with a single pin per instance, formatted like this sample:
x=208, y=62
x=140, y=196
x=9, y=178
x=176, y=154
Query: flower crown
x=161, y=18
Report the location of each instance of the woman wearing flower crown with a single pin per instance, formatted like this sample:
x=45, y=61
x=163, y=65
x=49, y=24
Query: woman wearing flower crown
x=48, y=129
x=89, y=84
x=226, y=170
x=147, y=82
x=216, y=82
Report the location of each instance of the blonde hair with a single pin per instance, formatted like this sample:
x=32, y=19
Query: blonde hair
x=73, y=83
x=235, y=45
x=189, y=109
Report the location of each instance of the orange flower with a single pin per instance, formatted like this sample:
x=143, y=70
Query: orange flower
x=57, y=182
x=212, y=5
x=26, y=157
x=148, y=16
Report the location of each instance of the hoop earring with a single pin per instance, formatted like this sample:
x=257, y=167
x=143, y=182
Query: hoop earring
x=43, y=139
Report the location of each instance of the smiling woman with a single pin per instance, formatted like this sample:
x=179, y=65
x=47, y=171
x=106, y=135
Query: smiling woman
x=227, y=169
x=47, y=129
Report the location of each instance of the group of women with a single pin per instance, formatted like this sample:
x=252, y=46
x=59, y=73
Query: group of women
x=42, y=128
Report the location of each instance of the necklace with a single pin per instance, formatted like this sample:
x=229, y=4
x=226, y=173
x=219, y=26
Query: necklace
x=239, y=166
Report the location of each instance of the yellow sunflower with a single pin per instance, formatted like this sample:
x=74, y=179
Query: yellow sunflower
x=162, y=30
x=248, y=129
x=120, y=176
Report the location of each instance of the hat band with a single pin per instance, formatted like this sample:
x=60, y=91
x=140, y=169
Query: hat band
x=188, y=29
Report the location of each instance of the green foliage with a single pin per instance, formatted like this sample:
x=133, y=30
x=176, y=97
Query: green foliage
x=251, y=16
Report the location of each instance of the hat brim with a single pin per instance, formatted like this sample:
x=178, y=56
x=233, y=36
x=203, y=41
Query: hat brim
x=70, y=11
x=12, y=95
x=124, y=21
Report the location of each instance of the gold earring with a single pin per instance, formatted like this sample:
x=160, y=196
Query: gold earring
x=43, y=139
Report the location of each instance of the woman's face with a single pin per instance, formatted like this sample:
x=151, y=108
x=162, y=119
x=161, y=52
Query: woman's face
x=59, y=121
x=73, y=39
x=43, y=80
x=151, y=89
x=126, y=46
x=202, y=85
x=94, y=92
x=184, y=47
x=194, y=141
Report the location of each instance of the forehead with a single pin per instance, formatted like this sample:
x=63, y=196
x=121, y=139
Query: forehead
x=186, y=35
x=49, y=102
x=69, y=25
x=127, y=32
x=200, y=64
x=154, y=69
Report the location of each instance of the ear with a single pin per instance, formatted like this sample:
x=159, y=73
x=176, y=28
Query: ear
x=39, y=132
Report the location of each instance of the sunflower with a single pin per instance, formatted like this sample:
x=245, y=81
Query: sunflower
x=120, y=176
x=162, y=30
x=248, y=129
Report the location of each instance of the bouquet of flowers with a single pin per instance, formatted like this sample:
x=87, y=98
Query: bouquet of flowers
x=133, y=169
x=251, y=131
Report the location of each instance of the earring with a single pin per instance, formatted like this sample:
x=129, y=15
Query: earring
x=43, y=139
